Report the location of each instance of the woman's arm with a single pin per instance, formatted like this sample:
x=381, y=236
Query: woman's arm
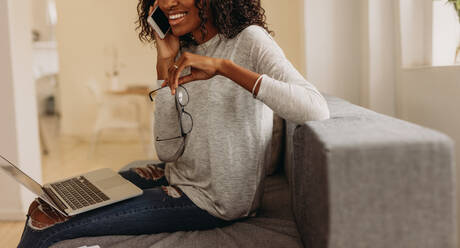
x=162, y=68
x=296, y=101
x=211, y=67
x=242, y=76
x=282, y=88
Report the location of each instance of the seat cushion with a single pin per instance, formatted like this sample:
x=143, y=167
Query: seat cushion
x=273, y=227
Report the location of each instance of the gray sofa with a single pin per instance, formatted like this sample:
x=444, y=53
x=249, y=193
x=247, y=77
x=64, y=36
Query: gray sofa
x=358, y=179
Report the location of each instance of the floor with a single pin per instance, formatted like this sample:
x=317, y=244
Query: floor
x=69, y=156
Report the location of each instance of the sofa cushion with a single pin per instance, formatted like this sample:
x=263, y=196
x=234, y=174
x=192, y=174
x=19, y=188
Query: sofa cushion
x=273, y=227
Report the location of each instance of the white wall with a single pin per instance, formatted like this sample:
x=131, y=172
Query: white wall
x=18, y=125
x=40, y=20
x=10, y=191
x=350, y=51
x=381, y=58
x=416, y=32
x=334, y=47
x=446, y=33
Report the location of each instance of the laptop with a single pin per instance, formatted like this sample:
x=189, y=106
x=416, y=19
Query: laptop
x=77, y=194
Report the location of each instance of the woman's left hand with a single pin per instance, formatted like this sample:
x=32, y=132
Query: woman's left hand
x=202, y=68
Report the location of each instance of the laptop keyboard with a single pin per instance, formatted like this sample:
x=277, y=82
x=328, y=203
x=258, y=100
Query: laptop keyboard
x=78, y=192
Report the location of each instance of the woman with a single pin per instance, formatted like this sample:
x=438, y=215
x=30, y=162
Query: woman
x=230, y=76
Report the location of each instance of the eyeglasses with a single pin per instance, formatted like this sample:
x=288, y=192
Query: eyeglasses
x=185, y=120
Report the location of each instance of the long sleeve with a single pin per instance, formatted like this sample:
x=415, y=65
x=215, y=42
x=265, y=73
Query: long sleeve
x=283, y=89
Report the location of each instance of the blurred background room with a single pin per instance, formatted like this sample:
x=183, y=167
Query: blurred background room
x=74, y=78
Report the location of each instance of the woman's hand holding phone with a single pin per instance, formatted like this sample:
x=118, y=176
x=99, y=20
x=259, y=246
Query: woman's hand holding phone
x=202, y=67
x=167, y=49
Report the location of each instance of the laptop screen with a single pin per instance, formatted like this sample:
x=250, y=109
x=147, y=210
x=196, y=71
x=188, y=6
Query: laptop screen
x=20, y=176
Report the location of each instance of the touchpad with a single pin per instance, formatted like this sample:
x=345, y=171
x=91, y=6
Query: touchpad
x=111, y=182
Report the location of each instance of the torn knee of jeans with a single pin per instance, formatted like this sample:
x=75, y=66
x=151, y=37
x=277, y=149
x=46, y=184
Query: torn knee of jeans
x=150, y=172
x=42, y=216
x=38, y=226
x=172, y=191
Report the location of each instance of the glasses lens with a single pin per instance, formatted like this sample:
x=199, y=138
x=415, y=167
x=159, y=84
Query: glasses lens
x=182, y=95
x=187, y=122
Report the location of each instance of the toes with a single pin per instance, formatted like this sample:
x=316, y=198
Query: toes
x=156, y=172
x=172, y=191
x=151, y=172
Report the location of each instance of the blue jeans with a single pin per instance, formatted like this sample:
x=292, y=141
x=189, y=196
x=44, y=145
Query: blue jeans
x=153, y=212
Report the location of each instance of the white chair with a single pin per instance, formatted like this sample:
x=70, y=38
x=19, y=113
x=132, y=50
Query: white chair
x=108, y=106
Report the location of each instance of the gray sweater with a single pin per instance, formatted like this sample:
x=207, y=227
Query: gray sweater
x=222, y=168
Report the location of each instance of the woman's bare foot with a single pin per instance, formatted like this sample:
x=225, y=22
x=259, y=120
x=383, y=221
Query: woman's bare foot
x=42, y=215
x=150, y=172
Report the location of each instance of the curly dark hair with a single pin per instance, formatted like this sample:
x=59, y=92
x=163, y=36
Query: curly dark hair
x=230, y=18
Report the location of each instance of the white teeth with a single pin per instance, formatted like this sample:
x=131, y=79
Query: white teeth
x=177, y=16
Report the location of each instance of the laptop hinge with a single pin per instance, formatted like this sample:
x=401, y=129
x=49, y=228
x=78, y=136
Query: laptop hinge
x=55, y=199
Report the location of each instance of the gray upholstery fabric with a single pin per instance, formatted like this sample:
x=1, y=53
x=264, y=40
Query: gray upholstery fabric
x=362, y=179
x=273, y=227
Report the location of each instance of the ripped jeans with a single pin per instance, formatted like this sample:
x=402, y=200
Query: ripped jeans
x=161, y=208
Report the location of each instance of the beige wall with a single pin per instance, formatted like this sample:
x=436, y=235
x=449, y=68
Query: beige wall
x=287, y=21
x=88, y=29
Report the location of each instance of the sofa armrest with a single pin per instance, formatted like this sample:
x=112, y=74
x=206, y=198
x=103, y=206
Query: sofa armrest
x=363, y=179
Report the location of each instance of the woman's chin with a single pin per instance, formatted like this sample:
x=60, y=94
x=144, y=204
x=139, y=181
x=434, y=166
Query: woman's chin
x=178, y=32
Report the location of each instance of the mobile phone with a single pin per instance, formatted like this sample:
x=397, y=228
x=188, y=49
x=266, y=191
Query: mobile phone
x=159, y=22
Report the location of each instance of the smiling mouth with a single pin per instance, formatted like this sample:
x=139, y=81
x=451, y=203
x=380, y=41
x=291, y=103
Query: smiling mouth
x=177, y=18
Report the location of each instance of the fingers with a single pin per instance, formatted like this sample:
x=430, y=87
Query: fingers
x=170, y=80
x=151, y=10
x=186, y=79
x=175, y=70
x=199, y=67
x=181, y=64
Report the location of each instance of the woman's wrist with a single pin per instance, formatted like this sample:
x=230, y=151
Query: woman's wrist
x=162, y=68
x=223, y=66
x=242, y=76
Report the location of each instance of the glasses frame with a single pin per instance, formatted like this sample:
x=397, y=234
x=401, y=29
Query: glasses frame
x=180, y=112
